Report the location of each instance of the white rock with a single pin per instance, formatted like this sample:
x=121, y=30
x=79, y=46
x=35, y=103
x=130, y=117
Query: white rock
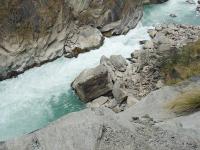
x=131, y=101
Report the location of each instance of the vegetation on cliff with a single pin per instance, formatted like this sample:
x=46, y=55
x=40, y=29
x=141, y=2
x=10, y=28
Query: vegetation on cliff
x=187, y=102
x=182, y=64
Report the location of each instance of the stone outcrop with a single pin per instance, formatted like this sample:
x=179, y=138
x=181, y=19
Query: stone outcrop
x=133, y=129
x=35, y=32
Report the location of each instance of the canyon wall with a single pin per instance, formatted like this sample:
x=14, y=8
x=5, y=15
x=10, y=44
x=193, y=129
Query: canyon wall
x=34, y=32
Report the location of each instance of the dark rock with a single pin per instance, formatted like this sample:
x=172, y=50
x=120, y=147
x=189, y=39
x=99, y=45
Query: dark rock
x=173, y=15
x=142, y=42
x=190, y=1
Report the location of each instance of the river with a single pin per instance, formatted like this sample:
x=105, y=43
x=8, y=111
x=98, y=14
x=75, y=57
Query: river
x=43, y=94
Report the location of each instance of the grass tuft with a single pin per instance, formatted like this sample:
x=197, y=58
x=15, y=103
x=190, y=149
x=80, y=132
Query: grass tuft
x=185, y=103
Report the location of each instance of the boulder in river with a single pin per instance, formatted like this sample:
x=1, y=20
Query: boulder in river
x=93, y=83
x=173, y=15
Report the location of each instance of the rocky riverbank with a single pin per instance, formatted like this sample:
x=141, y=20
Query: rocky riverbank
x=133, y=129
x=119, y=84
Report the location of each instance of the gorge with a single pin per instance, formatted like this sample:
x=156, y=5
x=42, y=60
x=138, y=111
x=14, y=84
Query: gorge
x=43, y=94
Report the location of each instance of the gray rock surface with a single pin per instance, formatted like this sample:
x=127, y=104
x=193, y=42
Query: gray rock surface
x=93, y=83
x=119, y=92
x=98, y=102
x=88, y=38
x=119, y=62
x=154, y=105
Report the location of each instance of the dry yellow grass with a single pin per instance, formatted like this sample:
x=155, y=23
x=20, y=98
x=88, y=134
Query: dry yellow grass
x=182, y=65
x=187, y=102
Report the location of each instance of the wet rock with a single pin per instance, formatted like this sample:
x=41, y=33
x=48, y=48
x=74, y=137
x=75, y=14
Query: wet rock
x=173, y=15
x=190, y=1
x=93, y=83
x=142, y=42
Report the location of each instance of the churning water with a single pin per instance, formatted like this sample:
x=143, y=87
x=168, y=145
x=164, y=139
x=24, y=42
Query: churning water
x=43, y=94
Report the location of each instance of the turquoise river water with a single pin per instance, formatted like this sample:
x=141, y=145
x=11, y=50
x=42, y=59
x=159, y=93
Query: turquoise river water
x=43, y=94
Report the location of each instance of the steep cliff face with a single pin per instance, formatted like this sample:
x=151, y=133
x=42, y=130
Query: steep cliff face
x=34, y=32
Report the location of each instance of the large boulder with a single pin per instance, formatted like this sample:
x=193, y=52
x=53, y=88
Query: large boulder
x=93, y=83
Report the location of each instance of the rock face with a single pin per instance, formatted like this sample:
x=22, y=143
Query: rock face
x=92, y=83
x=101, y=129
x=34, y=32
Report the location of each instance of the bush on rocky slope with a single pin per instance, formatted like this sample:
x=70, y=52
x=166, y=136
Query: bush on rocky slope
x=182, y=64
x=187, y=102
